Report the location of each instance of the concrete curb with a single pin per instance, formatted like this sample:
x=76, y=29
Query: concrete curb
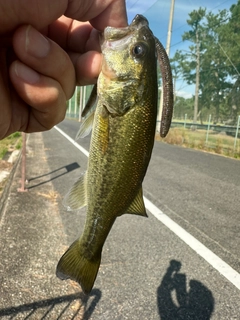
x=4, y=195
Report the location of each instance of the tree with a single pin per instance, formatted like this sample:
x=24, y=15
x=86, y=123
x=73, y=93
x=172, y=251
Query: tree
x=229, y=37
x=212, y=62
x=193, y=35
x=183, y=106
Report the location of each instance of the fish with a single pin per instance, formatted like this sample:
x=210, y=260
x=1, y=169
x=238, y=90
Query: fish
x=123, y=132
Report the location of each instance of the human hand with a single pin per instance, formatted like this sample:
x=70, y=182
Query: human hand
x=41, y=64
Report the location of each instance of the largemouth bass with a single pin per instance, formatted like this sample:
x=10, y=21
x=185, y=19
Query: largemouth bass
x=124, y=125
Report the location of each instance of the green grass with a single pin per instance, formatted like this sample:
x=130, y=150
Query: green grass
x=3, y=151
x=12, y=142
x=217, y=143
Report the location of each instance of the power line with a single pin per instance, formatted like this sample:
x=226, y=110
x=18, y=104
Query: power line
x=229, y=59
x=133, y=4
x=220, y=4
x=208, y=10
x=217, y=24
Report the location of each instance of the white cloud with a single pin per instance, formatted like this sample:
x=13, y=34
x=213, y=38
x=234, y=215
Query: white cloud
x=184, y=94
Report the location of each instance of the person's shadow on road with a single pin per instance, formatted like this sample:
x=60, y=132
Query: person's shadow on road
x=176, y=303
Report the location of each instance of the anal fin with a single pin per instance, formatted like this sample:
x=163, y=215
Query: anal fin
x=137, y=206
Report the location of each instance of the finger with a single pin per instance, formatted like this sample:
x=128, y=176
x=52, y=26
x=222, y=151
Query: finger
x=100, y=13
x=43, y=12
x=73, y=35
x=45, y=96
x=83, y=47
x=45, y=57
x=87, y=66
x=5, y=110
x=113, y=15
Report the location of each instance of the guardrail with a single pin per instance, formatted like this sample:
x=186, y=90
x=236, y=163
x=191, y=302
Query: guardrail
x=229, y=130
x=78, y=101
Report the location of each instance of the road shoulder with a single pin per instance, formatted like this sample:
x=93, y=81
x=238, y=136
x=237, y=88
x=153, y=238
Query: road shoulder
x=31, y=241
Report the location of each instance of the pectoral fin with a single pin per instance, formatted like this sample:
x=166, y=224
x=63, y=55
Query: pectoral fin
x=86, y=126
x=76, y=198
x=137, y=206
x=91, y=101
x=88, y=114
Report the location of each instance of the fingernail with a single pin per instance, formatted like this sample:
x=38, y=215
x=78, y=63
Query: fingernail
x=36, y=44
x=25, y=73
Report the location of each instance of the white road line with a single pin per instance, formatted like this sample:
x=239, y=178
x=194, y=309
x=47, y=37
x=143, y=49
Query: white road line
x=217, y=263
x=84, y=151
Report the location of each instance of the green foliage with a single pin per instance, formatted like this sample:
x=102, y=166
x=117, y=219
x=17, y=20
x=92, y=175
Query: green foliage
x=183, y=106
x=3, y=151
x=14, y=141
x=19, y=145
x=15, y=135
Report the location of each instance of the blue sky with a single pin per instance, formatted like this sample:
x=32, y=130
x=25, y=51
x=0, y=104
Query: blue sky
x=157, y=12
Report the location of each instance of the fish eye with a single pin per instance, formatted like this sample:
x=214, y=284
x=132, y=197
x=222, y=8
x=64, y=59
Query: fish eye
x=139, y=50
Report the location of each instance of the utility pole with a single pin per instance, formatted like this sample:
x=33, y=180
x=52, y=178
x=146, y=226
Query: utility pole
x=168, y=53
x=197, y=79
x=170, y=28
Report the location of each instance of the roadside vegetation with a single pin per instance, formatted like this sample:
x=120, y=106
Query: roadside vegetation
x=13, y=142
x=8, y=145
x=217, y=143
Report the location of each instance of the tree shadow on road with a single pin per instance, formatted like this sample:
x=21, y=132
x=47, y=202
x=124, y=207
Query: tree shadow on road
x=54, y=174
x=73, y=306
x=176, y=303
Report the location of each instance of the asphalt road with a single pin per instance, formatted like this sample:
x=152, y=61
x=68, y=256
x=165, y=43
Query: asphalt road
x=147, y=271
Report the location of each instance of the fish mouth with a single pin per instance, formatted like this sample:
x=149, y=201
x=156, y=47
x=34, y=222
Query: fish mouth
x=112, y=33
x=120, y=37
x=139, y=22
x=116, y=44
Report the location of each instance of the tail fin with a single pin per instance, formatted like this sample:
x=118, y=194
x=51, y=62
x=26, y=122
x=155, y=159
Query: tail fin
x=75, y=266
